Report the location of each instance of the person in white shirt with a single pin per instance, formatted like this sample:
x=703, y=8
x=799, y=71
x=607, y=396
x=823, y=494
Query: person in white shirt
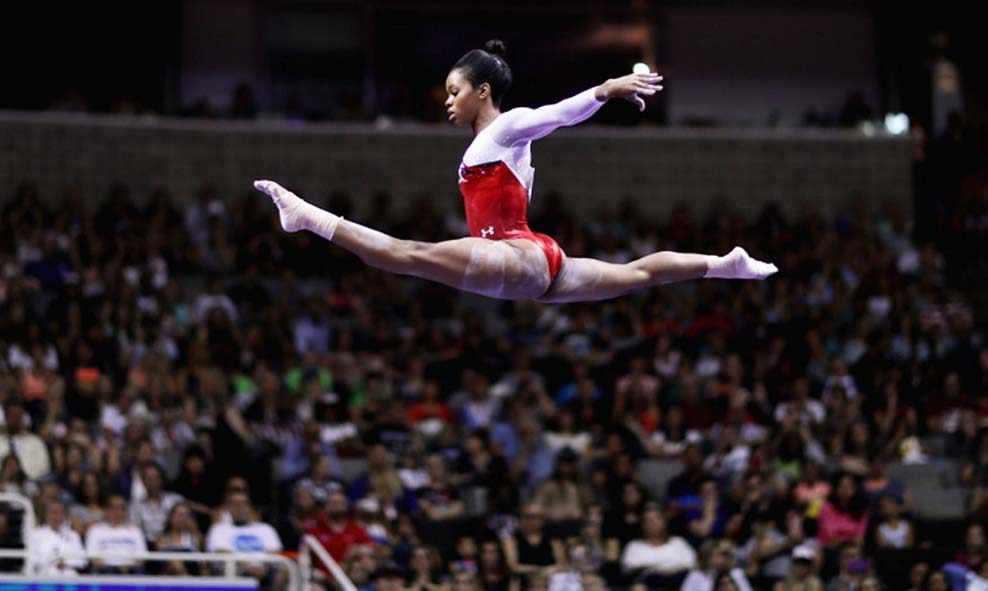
x=657, y=553
x=116, y=535
x=29, y=447
x=55, y=548
x=243, y=534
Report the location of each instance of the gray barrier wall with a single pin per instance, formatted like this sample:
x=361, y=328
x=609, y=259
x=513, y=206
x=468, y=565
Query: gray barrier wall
x=592, y=167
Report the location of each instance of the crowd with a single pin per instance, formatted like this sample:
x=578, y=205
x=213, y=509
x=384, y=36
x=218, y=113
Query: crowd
x=192, y=378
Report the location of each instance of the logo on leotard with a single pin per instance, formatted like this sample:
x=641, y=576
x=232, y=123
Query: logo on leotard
x=488, y=231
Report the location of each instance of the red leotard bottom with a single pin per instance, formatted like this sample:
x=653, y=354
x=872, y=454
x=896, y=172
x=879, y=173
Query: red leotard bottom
x=553, y=254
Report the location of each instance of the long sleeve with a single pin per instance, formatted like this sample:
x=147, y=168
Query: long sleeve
x=523, y=124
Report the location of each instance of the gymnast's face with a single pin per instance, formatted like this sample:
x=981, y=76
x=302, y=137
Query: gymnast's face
x=463, y=100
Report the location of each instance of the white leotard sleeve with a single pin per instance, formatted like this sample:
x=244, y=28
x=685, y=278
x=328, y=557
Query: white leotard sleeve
x=522, y=125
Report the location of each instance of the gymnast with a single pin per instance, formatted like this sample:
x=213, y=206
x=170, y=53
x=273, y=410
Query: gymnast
x=503, y=258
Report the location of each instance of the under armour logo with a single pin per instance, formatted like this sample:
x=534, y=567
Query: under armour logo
x=488, y=231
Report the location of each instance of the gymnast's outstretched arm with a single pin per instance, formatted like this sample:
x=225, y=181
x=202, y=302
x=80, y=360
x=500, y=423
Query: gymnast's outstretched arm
x=523, y=124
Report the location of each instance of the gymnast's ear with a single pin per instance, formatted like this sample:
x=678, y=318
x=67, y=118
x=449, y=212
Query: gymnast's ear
x=484, y=90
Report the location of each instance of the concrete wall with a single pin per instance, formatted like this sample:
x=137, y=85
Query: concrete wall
x=592, y=167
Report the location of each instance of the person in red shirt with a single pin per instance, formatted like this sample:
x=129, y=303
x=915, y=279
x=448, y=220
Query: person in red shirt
x=336, y=531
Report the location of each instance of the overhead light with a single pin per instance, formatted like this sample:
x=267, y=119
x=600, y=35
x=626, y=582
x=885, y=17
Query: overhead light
x=897, y=123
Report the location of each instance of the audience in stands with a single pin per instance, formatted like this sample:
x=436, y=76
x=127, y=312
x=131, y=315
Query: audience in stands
x=712, y=435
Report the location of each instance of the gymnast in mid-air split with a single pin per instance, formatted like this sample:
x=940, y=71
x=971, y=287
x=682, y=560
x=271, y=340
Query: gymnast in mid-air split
x=503, y=258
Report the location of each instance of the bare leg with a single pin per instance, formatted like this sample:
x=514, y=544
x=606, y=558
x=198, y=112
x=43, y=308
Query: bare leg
x=509, y=269
x=589, y=279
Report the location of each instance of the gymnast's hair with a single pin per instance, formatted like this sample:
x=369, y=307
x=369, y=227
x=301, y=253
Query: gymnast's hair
x=487, y=65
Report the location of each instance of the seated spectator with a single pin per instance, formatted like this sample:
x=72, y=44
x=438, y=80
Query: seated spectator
x=430, y=415
x=181, y=535
x=917, y=576
x=975, y=549
x=320, y=482
x=844, y=517
x=90, y=503
x=811, y=492
x=530, y=550
x=623, y=523
x=336, y=531
x=198, y=482
x=389, y=577
x=382, y=482
x=30, y=448
x=116, y=536
x=566, y=434
x=877, y=484
x=304, y=515
x=13, y=480
x=439, y=499
x=658, y=553
x=466, y=556
x=244, y=534
x=937, y=580
x=492, y=568
x=151, y=512
x=768, y=550
x=716, y=557
x=424, y=571
x=802, y=572
x=893, y=530
x=851, y=568
x=53, y=544
x=464, y=581
x=562, y=495
x=709, y=518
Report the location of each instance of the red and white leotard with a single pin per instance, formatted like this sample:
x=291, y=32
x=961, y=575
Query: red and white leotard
x=496, y=174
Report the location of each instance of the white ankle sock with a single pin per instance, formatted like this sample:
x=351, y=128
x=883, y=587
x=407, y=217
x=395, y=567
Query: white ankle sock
x=297, y=214
x=737, y=264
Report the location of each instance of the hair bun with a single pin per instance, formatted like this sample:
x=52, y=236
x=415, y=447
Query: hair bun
x=496, y=46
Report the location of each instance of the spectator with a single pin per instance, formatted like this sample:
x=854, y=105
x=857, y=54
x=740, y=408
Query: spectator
x=492, y=568
x=321, y=483
x=893, y=530
x=801, y=576
x=56, y=549
x=116, y=536
x=381, y=481
x=530, y=550
x=151, y=512
x=561, y=494
x=844, y=518
x=337, y=532
x=423, y=574
x=13, y=480
x=244, y=534
x=851, y=569
x=658, y=553
x=181, y=535
x=464, y=581
x=623, y=523
x=439, y=499
x=716, y=557
x=390, y=577
x=30, y=448
x=975, y=550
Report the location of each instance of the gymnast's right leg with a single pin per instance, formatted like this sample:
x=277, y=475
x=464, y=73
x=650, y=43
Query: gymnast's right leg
x=510, y=269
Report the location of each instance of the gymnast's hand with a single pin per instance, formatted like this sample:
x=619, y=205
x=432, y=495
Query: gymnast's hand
x=631, y=88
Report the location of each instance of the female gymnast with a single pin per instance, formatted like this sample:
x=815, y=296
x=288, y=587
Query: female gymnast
x=503, y=258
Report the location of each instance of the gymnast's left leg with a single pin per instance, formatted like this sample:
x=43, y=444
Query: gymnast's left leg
x=583, y=279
